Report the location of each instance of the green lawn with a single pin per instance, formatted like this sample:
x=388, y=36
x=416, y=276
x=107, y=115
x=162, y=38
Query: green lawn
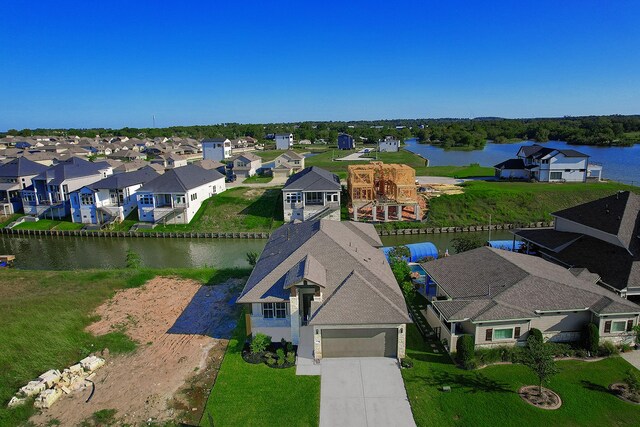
x=49, y=224
x=488, y=397
x=513, y=202
x=237, y=209
x=256, y=395
x=257, y=179
x=8, y=219
x=470, y=171
x=43, y=315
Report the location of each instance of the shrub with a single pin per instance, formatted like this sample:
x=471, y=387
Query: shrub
x=582, y=353
x=291, y=358
x=608, y=349
x=466, y=243
x=561, y=350
x=281, y=362
x=536, y=333
x=406, y=363
x=465, y=350
x=259, y=343
x=271, y=361
x=632, y=380
x=280, y=353
x=289, y=347
x=252, y=258
x=591, y=338
x=625, y=347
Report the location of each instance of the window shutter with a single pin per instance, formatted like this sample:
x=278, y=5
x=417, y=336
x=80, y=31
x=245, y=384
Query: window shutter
x=488, y=335
x=607, y=326
x=516, y=332
x=629, y=325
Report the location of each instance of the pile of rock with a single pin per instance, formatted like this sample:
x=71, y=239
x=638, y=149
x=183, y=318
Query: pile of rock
x=48, y=387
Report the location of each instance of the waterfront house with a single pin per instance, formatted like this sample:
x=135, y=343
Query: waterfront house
x=548, y=164
x=110, y=199
x=326, y=286
x=176, y=196
x=16, y=175
x=601, y=236
x=310, y=194
x=216, y=149
x=388, y=145
x=346, y=142
x=286, y=164
x=245, y=165
x=284, y=141
x=48, y=196
x=498, y=296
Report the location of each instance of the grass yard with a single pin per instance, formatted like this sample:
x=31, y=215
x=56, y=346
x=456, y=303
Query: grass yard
x=471, y=171
x=49, y=224
x=258, y=179
x=513, y=202
x=488, y=397
x=43, y=315
x=237, y=209
x=256, y=395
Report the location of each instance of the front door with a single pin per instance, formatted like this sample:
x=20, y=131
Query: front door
x=306, y=307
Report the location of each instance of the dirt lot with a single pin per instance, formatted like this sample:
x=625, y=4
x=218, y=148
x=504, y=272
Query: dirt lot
x=182, y=329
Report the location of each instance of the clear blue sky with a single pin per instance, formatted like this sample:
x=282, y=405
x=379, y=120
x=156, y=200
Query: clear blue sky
x=116, y=63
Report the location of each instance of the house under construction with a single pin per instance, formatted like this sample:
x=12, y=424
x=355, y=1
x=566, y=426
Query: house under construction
x=383, y=192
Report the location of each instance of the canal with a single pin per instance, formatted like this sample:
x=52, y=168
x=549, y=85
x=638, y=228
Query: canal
x=72, y=253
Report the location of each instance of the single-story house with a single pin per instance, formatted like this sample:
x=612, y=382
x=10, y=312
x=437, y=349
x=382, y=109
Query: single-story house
x=326, y=285
x=498, y=296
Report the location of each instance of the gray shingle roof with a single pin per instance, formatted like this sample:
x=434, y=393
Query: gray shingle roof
x=312, y=179
x=126, y=179
x=181, y=179
x=548, y=237
x=511, y=164
x=21, y=167
x=74, y=167
x=488, y=284
x=354, y=269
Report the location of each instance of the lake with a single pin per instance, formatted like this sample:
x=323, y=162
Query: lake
x=618, y=163
x=73, y=253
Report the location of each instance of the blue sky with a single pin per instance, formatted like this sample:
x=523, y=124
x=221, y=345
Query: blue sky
x=117, y=63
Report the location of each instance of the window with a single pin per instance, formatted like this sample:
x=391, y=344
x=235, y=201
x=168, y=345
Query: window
x=556, y=175
x=86, y=199
x=545, y=161
x=146, y=199
x=293, y=197
x=193, y=197
x=332, y=197
x=618, y=326
x=281, y=310
x=267, y=310
x=314, y=198
x=274, y=309
x=503, y=334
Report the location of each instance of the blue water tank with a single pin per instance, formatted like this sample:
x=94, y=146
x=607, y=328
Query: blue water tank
x=418, y=251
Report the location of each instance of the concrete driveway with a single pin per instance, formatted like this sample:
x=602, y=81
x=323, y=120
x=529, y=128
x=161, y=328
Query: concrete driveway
x=365, y=391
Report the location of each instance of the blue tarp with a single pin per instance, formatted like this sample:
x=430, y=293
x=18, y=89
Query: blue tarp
x=418, y=251
x=507, y=245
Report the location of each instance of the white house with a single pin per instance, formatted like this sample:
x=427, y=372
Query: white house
x=286, y=164
x=388, y=145
x=216, y=149
x=246, y=165
x=176, y=196
x=312, y=193
x=284, y=141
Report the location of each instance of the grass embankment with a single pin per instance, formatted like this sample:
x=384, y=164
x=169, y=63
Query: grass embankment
x=44, y=313
x=512, y=202
x=237, y=209
x=256, y=395
x=488, y=397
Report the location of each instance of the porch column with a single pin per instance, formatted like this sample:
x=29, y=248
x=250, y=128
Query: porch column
x=355, y=212
x=386, y=213
x=294, y=306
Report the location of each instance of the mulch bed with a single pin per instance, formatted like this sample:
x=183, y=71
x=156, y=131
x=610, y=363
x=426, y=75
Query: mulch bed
x=258, y=358
x=548, y=400
x=621, y=391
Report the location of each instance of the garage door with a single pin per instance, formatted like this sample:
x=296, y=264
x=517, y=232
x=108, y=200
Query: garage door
x=360, y=342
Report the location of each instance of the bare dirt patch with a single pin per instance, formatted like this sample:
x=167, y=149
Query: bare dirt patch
x=548, y=399
x=182, y=329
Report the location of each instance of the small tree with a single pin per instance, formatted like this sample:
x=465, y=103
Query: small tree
x=399, y=267
x=252, y=258
x=539, y=358
x=536, y=333
x=259, y=343
x=409, y=291
x=591, y=338
x=465, y=351
x=466, y=243
x=636, y=329
x=133, y=259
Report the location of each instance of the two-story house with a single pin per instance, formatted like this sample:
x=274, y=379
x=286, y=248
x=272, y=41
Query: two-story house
x=245, y=165
x=548, y=164
x=388, y=145
x=346, y=142
x=48, y=196
x=312, y=193
x=284, y=141
x=286, y=164
x=175, y=196
x=326, y=286
x=110, y=199
x=16, y=175
x=216, y=149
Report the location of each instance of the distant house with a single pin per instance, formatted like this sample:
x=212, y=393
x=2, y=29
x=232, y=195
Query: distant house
x=48, y=196
x=246, y=165
x=601, y=236
x=16, y=175
x=346, y=142
x=216, y=149
x=284, y=141
x=388, y=145
x=110, y=199
x=170, y=161
x=498, y=296
x=304, y=142
x=212, y=165
x=547, y=164
x=127, y=155
x=176, y=196
x=326, y=287
x=312, y=193
x=286, y=164
x=130, y=166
